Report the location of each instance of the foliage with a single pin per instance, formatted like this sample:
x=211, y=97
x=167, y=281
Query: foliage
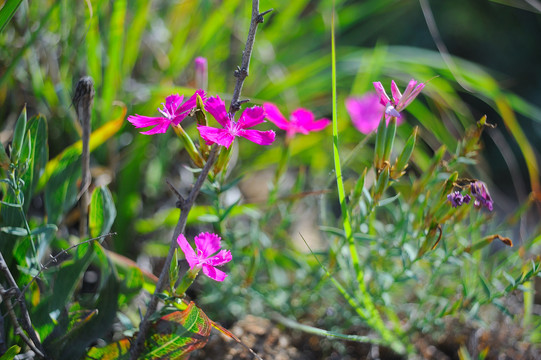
x=383, y=250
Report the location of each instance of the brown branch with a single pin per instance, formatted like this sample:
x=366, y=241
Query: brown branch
x=26, y=323
x=82, y=100
x=185, y=207
x=242, y=71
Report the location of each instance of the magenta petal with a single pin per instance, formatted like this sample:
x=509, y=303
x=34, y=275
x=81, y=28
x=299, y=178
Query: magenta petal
x=172, y=103
x=214, y=135
x=274, y=115
x=396, y=93
x=140, y=121
x=224, y=256
x=216, y=107
x=214, y=273
x=251, y=117
x=365, y=112
x=191, y=102
x=158, y=129
x=192, y=259
x=384, y=99
x=207, y=243
x=302, y=117
x=318, y=125
x=259, y=137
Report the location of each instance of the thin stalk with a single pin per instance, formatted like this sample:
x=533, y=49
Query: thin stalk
x=83, y=100
x=373, y=317
x=185, y=207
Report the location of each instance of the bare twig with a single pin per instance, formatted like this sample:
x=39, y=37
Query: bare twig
x=242, y=71
x=82, y=100
x=26, y=323
x=185, y=207
x=54, y=259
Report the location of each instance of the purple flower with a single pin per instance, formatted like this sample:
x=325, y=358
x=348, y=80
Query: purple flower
x=173, y=111
x=366, y=112
x=480, y=193
x=457, y=199
x=231, y=128
x=300, y=121
x=208, y=254
x=400, y=101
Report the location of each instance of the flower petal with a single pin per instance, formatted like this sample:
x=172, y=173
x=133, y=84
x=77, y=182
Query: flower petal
x=259, y=137
x=365, y=112
x=216, y=107
x=158, y=129
x=190, y=103
x=275, y=116
x=383, y=98
x=396, y=93
x=224, y=256
x=214, y=273
x=172, y=103
x=207, y=243
x=214, y=135
x=141, y=121
x=251, y=117
x=189, y=253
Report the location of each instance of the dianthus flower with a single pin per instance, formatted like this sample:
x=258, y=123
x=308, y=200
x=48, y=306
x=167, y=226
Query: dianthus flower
x=208, y=255
x=456, y=198
x=366, y=112
x=231, y=128
x=400, y=101
x=480, y=193
x=173, y=111
x=300, y=121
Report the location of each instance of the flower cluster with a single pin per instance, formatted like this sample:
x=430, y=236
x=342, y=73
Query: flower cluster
x=457, y=199
x=478, y=191
x=174, y=111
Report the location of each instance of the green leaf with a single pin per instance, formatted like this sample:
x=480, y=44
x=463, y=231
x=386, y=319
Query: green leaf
x=73, y=344
x=18, y=137
x=6, y=13
x=177, y=334
x=10, y=353
x=13, y=230
x=404, y=157
x=61, y=189
x=38, y=156
x=97, y=138
x=102, y=212
x=119, y=350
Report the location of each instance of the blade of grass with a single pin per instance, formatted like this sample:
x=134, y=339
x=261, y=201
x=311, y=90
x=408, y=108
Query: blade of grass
x=373, y=317
x=7, y=12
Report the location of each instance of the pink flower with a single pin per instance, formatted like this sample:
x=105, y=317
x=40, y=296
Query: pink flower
x=173, y=111
x=366, y=112
x=231, y=128
x=206, y=244
x=300, y=121
x=400, y=101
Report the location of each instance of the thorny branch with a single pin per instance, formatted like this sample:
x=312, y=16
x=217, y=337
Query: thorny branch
x=185, y=206
x=54, y=259
x=242, y=72
x=26, y=324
